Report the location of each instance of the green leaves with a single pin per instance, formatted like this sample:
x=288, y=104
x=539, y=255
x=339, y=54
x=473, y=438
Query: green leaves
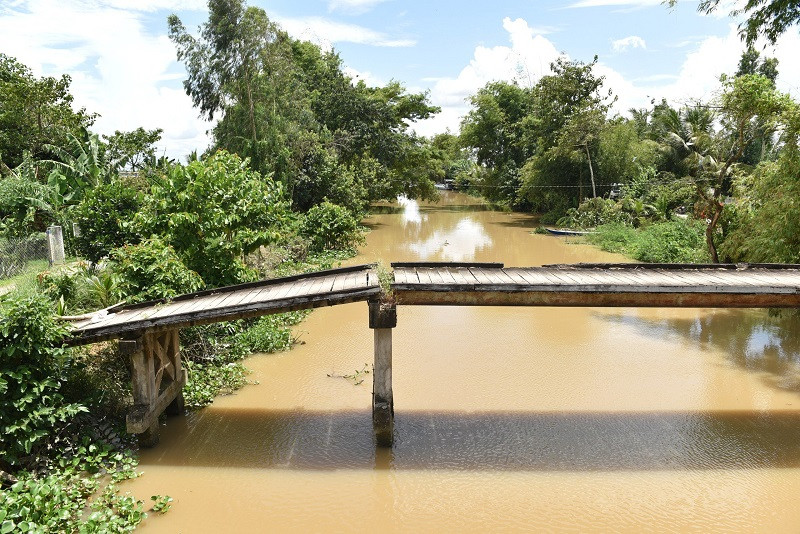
x=331, y=227
x=152, y=270
x=212, y=212
x=31, y=407
x=59, y=500
x=104, y=217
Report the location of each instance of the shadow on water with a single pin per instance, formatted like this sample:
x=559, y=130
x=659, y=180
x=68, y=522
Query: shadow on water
x=372, y=225
x=751, y=339
x=582, y=441
x=519, y=223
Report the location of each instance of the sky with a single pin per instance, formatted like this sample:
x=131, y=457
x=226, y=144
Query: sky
x=124, y=67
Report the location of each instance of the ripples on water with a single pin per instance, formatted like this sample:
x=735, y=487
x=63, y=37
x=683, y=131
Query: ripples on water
x=506, y=419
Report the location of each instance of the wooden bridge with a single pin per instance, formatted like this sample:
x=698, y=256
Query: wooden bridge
x=148, y=332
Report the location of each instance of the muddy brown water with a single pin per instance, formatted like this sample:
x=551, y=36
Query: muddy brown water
x=507, y=419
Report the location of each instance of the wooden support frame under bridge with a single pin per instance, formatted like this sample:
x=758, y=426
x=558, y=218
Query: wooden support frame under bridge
x=149, y=331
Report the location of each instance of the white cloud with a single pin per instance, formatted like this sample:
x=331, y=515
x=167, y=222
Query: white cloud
x=530, y=54
x=152, y=5
x=526, y=60
x=633, y=41
x=118, y=69
x=325, y=32
x=367, y=77
x=354, y=7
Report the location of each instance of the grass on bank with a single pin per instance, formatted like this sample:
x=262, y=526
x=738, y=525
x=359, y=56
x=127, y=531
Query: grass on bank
x=678, y=241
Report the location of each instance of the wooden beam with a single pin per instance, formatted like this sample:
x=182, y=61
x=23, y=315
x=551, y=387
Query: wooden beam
x=673, y=299
x=143, y=417
x=253, y=309
x=382, y=319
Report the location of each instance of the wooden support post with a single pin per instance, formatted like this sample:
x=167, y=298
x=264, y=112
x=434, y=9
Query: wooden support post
x=382, y=319
x=157, y=379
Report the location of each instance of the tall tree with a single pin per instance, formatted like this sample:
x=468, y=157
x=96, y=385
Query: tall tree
x=292, y=111
x=236, y=48
x=34, y=112
x=746, y=101
x=132, y=150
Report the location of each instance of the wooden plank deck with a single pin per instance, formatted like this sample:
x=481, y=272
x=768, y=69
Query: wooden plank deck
x=324, y=288
x=645, y=285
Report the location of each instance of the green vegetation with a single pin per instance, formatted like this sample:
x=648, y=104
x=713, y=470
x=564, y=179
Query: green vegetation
x=667, y=242
x=298, y=153
x=551, y=148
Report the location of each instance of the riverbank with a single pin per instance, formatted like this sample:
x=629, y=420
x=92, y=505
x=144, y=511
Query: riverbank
x=64, y=447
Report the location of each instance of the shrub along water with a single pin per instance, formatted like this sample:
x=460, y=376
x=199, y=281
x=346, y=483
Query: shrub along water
x=676, y=241
x=51, y=464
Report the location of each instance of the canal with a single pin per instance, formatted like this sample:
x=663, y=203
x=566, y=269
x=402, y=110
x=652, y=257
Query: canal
x=506, y=419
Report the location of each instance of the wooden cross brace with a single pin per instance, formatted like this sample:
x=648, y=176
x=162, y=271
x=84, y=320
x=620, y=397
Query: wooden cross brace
x=157, y=379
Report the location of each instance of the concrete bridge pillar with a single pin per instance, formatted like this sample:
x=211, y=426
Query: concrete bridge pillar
x=382, y=319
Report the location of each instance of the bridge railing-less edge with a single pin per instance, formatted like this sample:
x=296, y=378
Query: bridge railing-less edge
x=149, y=332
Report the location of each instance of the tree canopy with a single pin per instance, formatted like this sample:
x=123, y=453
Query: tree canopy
x=763, y=18
x=291, y=110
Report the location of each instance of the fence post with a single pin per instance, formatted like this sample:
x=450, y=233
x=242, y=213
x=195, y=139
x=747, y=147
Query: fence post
x=55, y=244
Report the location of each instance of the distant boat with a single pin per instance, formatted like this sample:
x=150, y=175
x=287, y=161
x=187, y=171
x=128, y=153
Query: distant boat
x=567, y=231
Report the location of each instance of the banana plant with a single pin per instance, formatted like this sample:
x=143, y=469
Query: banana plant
x=79, y=167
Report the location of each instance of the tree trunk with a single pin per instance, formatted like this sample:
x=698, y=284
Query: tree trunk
x=253, y=131
x=591, y=170
x=712, y=226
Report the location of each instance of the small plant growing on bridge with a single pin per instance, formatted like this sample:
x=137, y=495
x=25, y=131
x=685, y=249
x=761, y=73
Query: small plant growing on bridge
x=385, y=278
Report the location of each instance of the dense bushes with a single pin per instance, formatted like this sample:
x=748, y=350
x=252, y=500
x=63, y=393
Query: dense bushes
x=668, y=242
x=105, y=218
x=212, y=213
x=31, y=373
x=152, y=270
x=331, y=227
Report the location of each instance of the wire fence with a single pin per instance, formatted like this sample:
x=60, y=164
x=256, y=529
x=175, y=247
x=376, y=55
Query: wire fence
x=19, y=255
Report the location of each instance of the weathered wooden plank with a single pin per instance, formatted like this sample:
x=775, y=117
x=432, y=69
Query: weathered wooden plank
x=236, y=297
x=447, y=276
x=208, y=302
x=497, y=276
x=667, y=279
x=257, y=295
x=515, y=275
x=460, y=276
x=399, y=276
x=255, y=309
x=297, y=288
x=505, y=277
x=571, y=277
x=480, y=275
x=436, y=275
x=556, y=277
x=467, y=275
x=338, y=282
x=352, y=281
x=424, y=275
x=778, y=279
x=316, y=286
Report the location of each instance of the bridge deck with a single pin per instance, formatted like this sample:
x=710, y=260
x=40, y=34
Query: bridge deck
x=650, y=285
x=325, y=288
